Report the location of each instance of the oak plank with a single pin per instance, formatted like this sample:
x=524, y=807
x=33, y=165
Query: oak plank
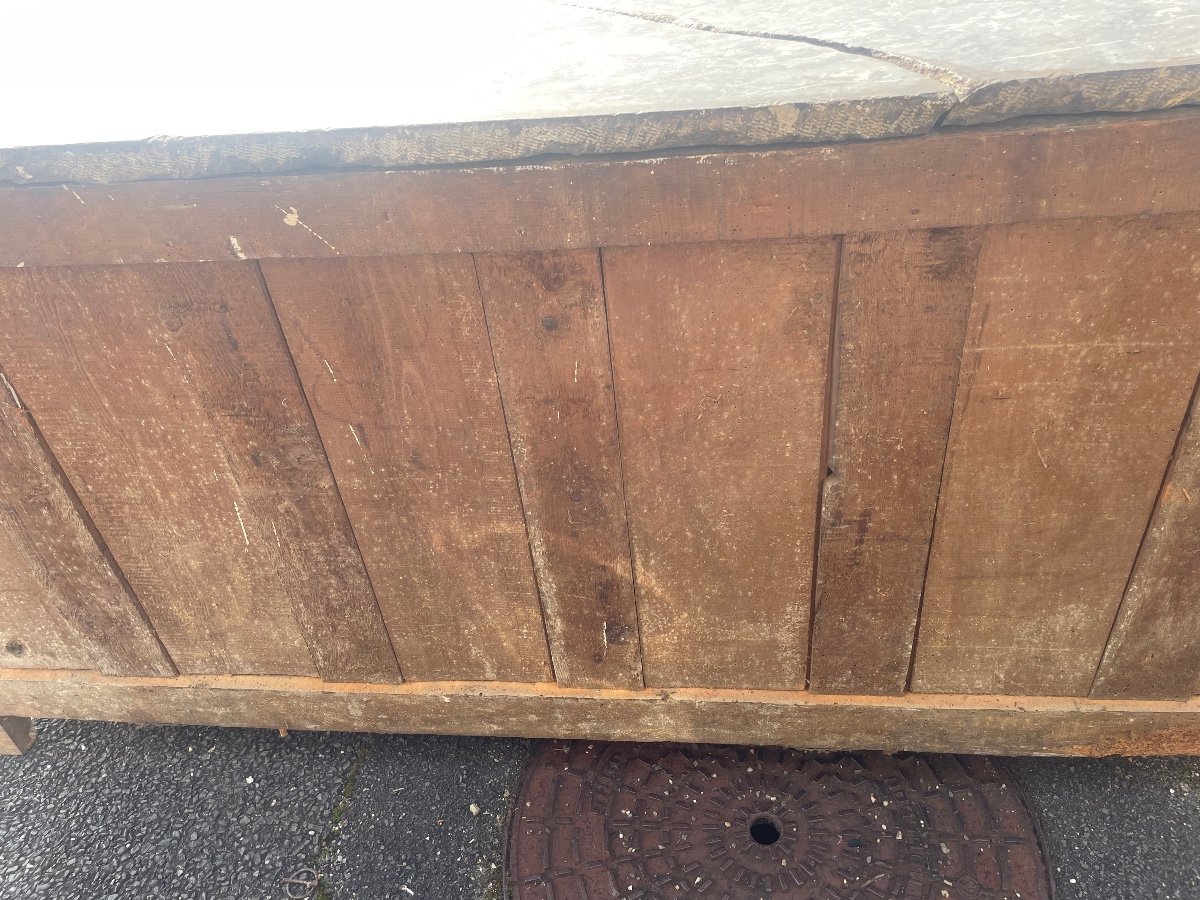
x=64, y=599
x=1081, y=356
x=394, y=357
x=33, y=633
x=167, y=395
x=903, y=303
x=720, y=354
x=1028, y=172
x=1154, y=651
x=916, y=722
x=549, y=333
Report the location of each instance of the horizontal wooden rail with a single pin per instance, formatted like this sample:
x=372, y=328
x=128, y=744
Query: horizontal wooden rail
x=921, y=722
x=1097, y=166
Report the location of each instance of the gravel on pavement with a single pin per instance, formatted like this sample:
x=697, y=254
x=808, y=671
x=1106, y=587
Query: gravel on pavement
x=99, y=811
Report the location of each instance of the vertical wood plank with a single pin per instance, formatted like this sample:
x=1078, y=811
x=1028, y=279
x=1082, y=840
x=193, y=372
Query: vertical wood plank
x=394, y=357
x=167, y=394
x=549, y=332
x=720, y=355
x=50, y=559
x=903, y=302
x=1080, y=359
x=1154, y=651
x=33, y=633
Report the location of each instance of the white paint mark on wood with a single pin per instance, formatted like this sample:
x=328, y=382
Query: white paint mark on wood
x=72, y=192
x=1039, y=455
x=236, y=248
x=291, y=218
x=245, y=536
x=354, y=431
x=11, y=390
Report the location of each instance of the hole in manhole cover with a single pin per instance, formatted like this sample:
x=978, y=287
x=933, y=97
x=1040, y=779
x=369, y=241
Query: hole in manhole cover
x=658, y=822
x=766, y=830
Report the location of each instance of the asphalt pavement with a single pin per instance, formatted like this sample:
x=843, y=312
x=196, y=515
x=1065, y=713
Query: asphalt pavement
x=107, y=812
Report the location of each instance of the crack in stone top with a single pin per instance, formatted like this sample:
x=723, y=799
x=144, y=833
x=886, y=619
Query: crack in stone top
x=1022, y=58
x=951, y=79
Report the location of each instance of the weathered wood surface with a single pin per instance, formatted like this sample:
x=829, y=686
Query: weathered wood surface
x=1080, y=361
x=720, y=356
x=394, y=358
x=919, y=722
x=549, y=333
x=1071, y=169
x=64, y=602
x=16, y=735
x=167, y=395
x=903, y=302
x=1154, y=651
x=607, y=476
x=33, y=633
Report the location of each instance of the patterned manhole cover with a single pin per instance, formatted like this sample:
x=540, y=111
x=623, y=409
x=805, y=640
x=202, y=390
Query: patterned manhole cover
x=658, y=822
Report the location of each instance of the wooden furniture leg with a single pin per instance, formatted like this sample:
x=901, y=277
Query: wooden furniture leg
x=16, y=735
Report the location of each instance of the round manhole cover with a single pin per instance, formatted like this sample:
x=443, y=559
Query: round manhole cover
x=657, y=822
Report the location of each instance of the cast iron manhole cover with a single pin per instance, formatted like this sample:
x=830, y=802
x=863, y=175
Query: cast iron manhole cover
x=659, y=822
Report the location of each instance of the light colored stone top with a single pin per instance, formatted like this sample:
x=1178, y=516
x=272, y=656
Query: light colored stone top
x=481, y=82
x=1002, y=59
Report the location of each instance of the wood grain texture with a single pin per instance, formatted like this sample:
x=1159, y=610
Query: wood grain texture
x=1072, y=168
x=549, y=333
x=720, y=354
x=394, y=358
x=62, y=596
x=33, y=633
x=917, y=722
x=903, y=303
x=1154, y=651
x=1081, y=356
x=167, y=394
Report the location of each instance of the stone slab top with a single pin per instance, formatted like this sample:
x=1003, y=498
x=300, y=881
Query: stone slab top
x=265, y=91
x=1001, y=59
